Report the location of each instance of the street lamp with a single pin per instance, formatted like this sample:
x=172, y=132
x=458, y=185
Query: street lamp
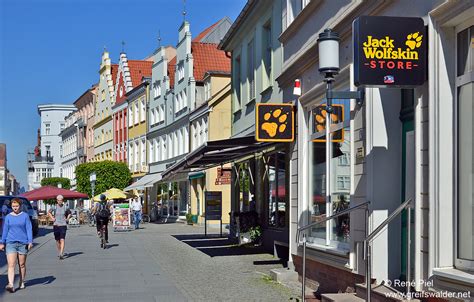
x=92, y=180
x=328, y=46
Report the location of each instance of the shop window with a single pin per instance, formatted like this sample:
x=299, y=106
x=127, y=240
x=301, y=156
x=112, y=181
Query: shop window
x=275, y=189
x=246, y=198
x=465, y=142
x=319, y=208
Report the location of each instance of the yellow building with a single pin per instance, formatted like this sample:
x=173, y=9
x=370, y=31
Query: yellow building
x=103, y=128
x=137, y=100
x=209, y=122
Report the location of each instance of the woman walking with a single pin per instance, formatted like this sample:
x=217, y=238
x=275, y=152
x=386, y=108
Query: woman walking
x=17, y=239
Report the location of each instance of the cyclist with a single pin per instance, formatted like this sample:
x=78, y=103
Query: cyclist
x=102, y=211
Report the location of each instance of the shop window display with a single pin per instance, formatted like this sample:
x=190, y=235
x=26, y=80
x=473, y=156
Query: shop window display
x=339, y=231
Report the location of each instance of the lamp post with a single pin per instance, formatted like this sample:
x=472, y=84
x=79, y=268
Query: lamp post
x=92, y=180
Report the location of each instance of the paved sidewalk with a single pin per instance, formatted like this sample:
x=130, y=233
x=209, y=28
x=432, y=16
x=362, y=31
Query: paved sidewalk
x=161, y=262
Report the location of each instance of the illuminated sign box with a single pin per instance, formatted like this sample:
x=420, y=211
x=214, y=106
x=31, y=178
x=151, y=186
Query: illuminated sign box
x=389, y=51
x=275, y=123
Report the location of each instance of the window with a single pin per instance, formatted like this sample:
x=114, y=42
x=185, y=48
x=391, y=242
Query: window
x=163, y=148
x=186, y=140
x=465, y=142
x=130, y=116
x=156, y=147
x=61, y=127
x=343, y=182
x=47, y=128
x=267, y=54
x=130, y=157
x=143, y=155
x=176, y=102
x=184, y=99
x=340, y=183
x=237, y=83
x=48, y=150
x=142, y=110
x=275, y=193
x=151, y=151
x=207, y=89
x=158, y=90
x=175, y=143
x=294, y=7
x=344, y=159
x=136, y=114
x=162, y=113
x=152, y=116
x=180, y=71
x=38, y=174
x=136, y=156
x=251, y=69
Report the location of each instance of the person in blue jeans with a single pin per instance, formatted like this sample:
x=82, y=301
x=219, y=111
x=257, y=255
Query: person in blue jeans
x=137, y=212
x=17, y=239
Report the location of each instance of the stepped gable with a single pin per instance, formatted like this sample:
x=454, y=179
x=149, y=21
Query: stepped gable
x=208, y=58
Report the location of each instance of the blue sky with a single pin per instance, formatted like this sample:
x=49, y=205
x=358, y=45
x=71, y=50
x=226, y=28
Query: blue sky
x=50, y=52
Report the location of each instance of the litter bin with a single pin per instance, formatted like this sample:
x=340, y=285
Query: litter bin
x=195, y=218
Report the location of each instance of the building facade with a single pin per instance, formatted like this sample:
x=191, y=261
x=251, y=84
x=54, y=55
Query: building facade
x=103, y=126
x=70, y=136
x=262, y=180
x=3, y=169
x=48, y=157
x=399, y=144
x=210, y=122
x=85, y=105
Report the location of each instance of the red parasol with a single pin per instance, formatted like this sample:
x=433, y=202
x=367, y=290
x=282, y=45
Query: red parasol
x=49, y=192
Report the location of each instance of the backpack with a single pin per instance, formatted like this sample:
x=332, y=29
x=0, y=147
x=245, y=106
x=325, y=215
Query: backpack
x=103, y=211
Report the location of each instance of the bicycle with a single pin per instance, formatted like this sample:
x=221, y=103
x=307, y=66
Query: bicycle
x=145, y=218
x=103, y=242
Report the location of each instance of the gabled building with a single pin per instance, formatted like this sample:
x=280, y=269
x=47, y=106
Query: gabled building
x=129, y=75
x=178, y=89
x=103, y=126
x=85, y=105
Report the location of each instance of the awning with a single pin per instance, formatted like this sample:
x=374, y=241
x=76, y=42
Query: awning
x=214, y=153
x=144, y=182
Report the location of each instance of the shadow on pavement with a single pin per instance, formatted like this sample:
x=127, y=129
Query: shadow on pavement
x=112, y=245
x=42, y=281
x=215, y=246
x=69, y=255
x=43, y=231
x=266, y=262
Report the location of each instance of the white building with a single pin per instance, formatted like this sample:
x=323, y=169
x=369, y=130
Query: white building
x=48, y=162
x=69, y=147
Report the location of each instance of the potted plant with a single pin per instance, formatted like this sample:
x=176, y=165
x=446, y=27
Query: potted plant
x=189, y=218
x=256, y=234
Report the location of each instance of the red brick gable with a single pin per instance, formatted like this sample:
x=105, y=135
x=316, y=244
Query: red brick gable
x=113, y=71
x=121, y=85
x=208, y=58
x=138, y=70
x=171, y=71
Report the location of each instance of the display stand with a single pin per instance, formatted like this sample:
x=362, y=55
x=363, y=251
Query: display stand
x=121, y=217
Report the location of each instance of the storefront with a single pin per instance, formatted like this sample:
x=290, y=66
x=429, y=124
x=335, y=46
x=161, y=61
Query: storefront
x=398, y=144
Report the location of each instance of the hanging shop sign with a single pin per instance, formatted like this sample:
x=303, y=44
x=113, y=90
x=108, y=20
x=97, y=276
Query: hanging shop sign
x=389, y=51
x=319, y=125
x=224, y=176
x=275, y=123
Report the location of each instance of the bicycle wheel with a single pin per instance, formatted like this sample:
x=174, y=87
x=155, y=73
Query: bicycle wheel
x=145, y=218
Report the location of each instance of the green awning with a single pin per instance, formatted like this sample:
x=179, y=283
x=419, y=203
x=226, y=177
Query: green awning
x=197, y=175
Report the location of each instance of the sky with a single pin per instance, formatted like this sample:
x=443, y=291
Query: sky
x=50, y=52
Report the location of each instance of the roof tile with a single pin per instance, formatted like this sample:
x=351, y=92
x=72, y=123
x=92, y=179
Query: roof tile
x=208, y=58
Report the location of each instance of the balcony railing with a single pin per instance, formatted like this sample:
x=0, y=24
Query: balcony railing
x=44, y=159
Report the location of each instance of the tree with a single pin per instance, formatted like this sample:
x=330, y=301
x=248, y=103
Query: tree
x=109, y=174
x=55, y=181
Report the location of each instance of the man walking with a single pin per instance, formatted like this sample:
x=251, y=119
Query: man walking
x=59, y=215
x=137, y=212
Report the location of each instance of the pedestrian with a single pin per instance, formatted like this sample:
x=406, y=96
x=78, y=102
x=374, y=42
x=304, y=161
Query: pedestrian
x=137, y=212
x=102, y=211
x=59, y=215
x=17, y=240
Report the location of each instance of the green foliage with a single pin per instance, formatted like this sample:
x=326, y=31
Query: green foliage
x=255, y=234
x=189, y=218
x=54, y=181
x=109, y=174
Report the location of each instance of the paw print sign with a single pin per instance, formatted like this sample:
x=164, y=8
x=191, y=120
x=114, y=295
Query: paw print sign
x=320, y=116
x=274, y=123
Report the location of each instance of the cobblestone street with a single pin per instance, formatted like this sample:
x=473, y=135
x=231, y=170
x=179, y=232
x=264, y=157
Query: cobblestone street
x=161, y=262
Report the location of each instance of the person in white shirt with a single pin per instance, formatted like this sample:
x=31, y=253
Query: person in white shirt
x=137, y=211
